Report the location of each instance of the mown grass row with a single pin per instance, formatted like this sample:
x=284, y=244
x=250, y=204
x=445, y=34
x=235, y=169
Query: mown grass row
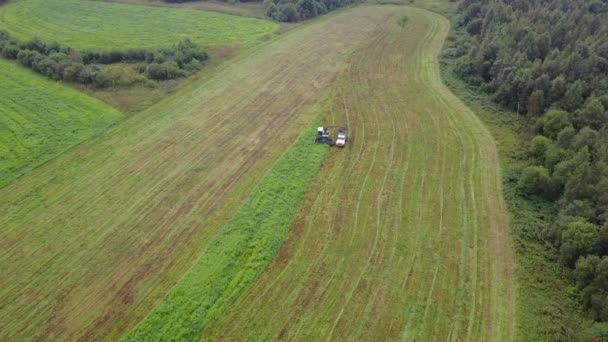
x=102, y=25
x=40, y=118
x=243, y=249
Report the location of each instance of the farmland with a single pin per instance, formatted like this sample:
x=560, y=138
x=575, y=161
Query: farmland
x=404, y=235
x=211, y=215
x=102, y=25
x=94, y=238
x=40, y=118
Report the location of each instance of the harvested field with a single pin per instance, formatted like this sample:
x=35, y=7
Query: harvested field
x=93, y=239
x=404, y=234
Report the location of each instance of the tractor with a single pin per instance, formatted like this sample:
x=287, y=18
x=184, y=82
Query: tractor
x=325, y=136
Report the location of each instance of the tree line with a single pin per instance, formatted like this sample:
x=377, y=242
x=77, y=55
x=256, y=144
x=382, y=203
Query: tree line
x=548, y=59
x=93, y=67
x=296, y=10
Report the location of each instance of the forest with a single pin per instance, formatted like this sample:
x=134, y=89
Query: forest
x=548, y=60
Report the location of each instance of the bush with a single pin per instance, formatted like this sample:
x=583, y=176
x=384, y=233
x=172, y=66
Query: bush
x=88, y=74
x=539, y=146
x=535, y=180
x=578, y=239
x=474, y=27
x=287, y=13
x=71, y=71
x=164, y=71
x=118, y=75
x=10, y=51
x=554, y=122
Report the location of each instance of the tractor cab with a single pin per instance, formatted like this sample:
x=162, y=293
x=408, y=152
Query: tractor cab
x=325, y=136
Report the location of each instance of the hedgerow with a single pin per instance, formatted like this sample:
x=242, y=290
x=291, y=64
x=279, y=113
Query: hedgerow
x=90, y=67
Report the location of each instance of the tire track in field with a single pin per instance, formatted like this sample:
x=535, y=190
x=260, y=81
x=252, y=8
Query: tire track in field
x=404, y=235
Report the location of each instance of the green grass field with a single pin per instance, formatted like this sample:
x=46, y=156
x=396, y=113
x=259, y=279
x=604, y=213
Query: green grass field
x=39, y=119
x=86, y=24
x=93, y=239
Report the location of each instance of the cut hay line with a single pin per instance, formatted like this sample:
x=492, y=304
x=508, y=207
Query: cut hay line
x=99, y=25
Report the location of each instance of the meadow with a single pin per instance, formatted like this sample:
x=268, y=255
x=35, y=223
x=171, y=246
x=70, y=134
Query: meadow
x=99, y=25
x=40, y=119
x=95, y=238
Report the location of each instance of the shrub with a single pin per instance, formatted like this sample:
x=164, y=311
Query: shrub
x=287, y=13
x=118, y=75
x=163, y=71
x=539, y=146
x=10, y=51
x=88, y=74
x=535, y=180
x=71, y=71
x=578, y=239
x=474, y=27
x=554, y=122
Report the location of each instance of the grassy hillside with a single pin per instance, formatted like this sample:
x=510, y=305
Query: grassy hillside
x=404, y=234
x=84, y=24
x=92, y=240
x=40, y=118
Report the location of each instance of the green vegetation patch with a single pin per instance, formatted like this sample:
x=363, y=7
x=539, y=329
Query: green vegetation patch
x=103, y=25
x=40, y=118
x=240, y=253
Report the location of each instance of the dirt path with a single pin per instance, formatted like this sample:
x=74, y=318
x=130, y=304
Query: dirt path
x=404, y=234
x=90, y=241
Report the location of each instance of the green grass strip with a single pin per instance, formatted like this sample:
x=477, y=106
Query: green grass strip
x=241, y=252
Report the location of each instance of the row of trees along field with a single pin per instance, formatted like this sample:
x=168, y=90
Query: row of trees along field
x=102, y=69
x=549, y=60
x=294, y=10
